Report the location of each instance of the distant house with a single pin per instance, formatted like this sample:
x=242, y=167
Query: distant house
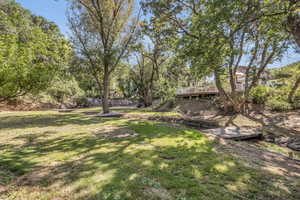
x=211, y=89
x=241, y=76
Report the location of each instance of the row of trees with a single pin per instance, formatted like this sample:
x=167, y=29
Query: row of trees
x=219, y=36
x=149, y=49
x=103, y=31
x=209, y=36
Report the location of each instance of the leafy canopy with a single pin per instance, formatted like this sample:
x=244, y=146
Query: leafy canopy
x=32, y=51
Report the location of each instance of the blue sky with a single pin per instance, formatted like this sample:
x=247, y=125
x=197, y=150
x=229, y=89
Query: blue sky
x=55, y=11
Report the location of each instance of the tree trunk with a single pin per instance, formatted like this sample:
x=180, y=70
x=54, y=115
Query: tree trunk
x=147, y=98
x=293, y=90
x=232, y=80
x=294, y=25
x=105, y=99
x=219, y=83
x=223, y=95
x=293, y=22
x=227, y=100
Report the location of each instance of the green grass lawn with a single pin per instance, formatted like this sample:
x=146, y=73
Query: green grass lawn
x=50, y=155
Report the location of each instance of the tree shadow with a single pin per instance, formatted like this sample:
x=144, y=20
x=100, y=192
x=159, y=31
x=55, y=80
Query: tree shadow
x=231, y=121
x=158, y=163
x=274, y=122
x=50, y=120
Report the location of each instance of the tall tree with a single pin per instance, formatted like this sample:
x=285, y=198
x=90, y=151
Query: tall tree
x=293, y=26
x=115, y=26
x=217, y=35
x=144, y=73
x=32, y=51
x=87, y=58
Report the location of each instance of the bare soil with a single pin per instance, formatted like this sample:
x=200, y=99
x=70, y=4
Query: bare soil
x=26, y=106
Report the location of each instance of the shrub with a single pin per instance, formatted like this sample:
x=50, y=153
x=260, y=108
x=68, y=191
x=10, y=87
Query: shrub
x=82, y=102
x=260, y=94
x=296, y=105
x=278, y=105
x=64, y=90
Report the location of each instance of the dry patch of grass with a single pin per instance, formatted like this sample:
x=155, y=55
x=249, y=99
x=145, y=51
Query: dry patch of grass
x=279, y=149
x=51, y=155
x=109, y=131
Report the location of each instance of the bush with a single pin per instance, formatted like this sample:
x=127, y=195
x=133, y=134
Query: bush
x=82, y=102
x=296, y=105
x=260, y=94
x=278, y=105
x=64, y=90
x=296, y=102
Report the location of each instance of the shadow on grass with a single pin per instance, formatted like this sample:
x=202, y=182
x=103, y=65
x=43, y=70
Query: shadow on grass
x=267, y=121
x=160, y=162
x=29, y=121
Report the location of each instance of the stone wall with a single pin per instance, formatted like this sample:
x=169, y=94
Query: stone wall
x=113, y=102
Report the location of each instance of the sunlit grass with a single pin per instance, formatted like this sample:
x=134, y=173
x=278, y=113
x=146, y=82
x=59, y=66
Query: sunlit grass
x=50, y=155
x=140, y=111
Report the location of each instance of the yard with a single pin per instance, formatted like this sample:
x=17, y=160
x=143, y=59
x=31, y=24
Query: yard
x=51, y=155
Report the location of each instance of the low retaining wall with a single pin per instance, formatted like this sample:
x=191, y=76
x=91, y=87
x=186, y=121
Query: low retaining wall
x=112, y=102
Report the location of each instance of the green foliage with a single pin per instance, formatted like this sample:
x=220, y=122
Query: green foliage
x=166, y=89
x=80, y=70
x=260, y=94
x=216, y=36
x=126, y=86
x=32, y=51
x=283, y=81
x=64, y=90
x=278, y=105
x=286, y=75
x=81, y=101
x=126, y=82
x=278, y=101
x=296, y=104
x=103, y=31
